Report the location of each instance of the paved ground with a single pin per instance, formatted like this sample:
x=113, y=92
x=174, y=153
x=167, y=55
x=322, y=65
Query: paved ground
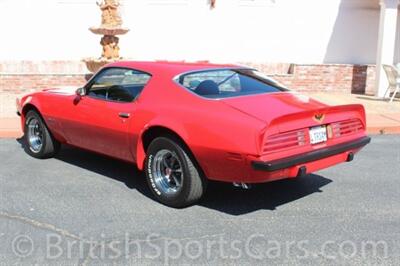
x=82, y=208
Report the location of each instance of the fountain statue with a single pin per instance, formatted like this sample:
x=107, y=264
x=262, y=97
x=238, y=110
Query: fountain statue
x=212, y=3
x=111, y=25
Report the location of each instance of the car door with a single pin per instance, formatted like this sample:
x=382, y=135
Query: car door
x=103, y=114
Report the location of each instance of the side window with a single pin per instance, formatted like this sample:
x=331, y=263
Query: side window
x=118, y=84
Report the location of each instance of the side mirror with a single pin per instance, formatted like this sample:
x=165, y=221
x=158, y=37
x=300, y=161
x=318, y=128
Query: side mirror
x=80, y=92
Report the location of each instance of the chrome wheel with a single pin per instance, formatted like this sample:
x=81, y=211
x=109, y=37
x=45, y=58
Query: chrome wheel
x=167, y=171
x=35, y=135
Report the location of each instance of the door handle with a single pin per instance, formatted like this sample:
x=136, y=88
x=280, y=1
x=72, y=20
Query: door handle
x=124, y=115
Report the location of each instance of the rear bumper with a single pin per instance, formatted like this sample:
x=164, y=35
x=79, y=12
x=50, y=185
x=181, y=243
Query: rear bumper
x=309, y=156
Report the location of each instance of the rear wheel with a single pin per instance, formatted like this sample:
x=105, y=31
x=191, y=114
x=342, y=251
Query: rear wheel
x=171, y=174
x=39, y=142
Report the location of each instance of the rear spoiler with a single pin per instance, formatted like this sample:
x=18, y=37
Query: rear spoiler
x=317, y=117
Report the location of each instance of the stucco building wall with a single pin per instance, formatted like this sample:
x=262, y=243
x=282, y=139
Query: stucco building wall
x=317, y=45
x=291, y=31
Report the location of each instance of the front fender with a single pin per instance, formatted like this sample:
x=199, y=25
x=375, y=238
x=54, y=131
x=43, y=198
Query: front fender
x=26, y=102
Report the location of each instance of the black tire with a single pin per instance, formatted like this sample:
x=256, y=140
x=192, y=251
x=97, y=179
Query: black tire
x=49, y=145
x=192, y=184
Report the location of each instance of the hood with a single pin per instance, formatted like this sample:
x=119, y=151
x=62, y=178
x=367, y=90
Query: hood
x=267, y=107
x=61, y=90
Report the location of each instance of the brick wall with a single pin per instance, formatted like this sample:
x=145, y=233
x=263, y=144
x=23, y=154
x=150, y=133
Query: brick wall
x=323, y=77
x=23, y=76
x=23, y=83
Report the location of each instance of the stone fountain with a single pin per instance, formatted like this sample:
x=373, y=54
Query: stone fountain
x=111, y=26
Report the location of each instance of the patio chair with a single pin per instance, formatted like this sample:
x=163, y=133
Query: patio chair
x=393, y=76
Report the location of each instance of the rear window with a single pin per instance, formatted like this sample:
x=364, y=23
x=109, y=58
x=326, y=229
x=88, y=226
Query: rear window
x=229, y=83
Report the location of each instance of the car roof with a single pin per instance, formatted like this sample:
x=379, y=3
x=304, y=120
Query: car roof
x=170, y=68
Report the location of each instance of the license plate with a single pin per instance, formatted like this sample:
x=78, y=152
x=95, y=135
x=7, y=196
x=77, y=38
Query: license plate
x=317, y=134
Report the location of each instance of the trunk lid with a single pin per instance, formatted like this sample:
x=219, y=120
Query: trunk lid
x=287, y=111
x=267, y=107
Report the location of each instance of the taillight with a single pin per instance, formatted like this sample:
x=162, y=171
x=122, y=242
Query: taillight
x=346, y=127
x=285, y=141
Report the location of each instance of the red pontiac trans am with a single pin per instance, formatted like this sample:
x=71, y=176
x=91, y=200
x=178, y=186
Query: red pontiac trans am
x=184, y=124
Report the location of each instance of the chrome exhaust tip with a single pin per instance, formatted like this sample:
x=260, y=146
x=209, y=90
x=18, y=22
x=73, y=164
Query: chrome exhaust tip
x=241, y=185
x=350, y=157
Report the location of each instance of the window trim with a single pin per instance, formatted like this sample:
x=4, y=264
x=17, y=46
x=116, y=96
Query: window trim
x=177, y=79
x=92, y=80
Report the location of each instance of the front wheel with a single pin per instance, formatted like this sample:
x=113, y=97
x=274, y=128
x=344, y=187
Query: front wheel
x=171, y=174
x=39, y=142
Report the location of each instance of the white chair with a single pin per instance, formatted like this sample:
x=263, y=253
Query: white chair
x=393, y=76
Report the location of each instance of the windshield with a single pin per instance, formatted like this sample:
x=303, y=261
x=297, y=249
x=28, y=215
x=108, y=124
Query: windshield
x=225, y=83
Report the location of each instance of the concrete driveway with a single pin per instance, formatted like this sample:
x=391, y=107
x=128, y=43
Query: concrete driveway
x=82, y=208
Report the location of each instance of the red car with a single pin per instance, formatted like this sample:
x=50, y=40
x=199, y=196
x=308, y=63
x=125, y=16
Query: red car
x=184, y=124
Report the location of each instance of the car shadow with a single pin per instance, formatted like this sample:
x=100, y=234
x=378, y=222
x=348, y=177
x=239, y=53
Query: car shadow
x=118, y=170
x=267, y=196
x=219, y=196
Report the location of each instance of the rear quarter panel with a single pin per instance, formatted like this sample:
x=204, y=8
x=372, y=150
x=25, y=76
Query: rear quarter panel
x=218, y=136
